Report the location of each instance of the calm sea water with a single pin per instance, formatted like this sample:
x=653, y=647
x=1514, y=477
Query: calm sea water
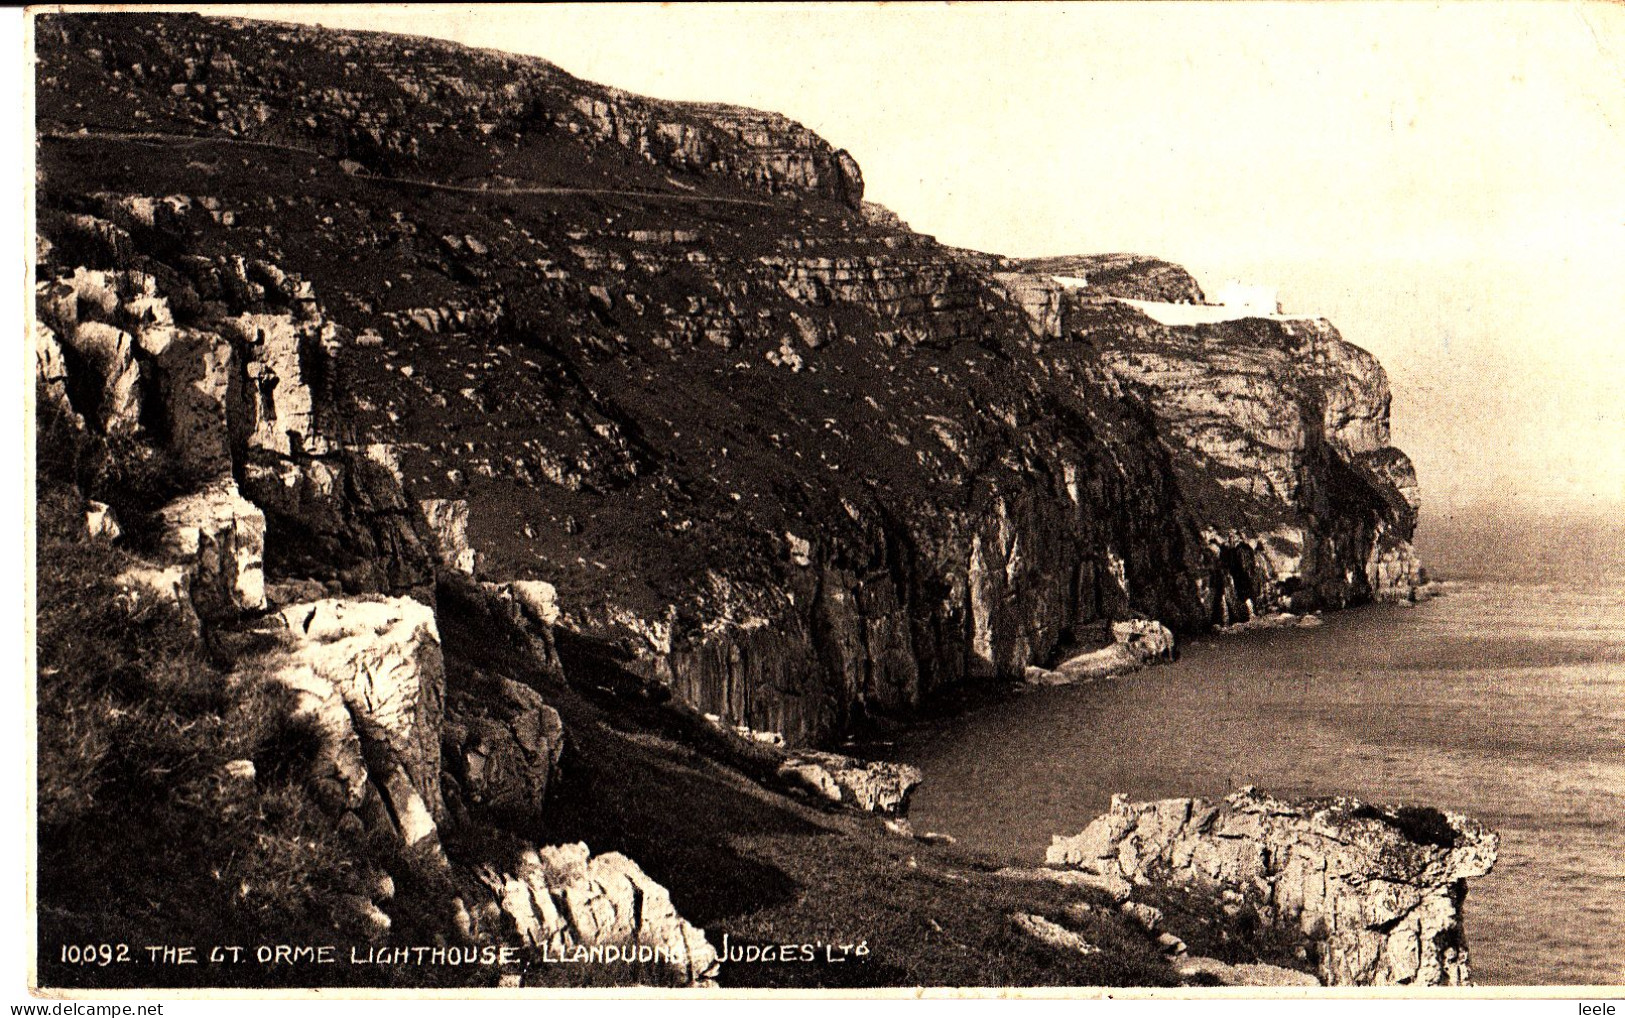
x=1505, y=701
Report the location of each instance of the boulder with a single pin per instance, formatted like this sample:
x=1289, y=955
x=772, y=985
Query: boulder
x=371, y=674
x=218, y=537
x=100, y=521
x=503, y=746
x=878, y=786
x=1052, y=934
x=1148, y=640
x=537, y=599
x=561, y=899
x=1135, y=644
x=1379, y=888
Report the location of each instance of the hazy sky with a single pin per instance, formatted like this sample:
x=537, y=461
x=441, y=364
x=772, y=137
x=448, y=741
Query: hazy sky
x=1445, y=182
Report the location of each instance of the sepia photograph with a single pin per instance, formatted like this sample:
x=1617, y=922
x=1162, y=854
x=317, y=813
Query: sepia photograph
x=826, y=498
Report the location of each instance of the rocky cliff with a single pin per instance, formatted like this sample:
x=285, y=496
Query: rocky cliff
x=786, y=457
x=1279, y=438
x=334, y=322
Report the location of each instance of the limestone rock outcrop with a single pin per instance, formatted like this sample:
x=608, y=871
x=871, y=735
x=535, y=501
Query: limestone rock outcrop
x=371, y=675
x=109, y=354
x=448, y=521
x=343, y=516
x=502, y=742
x=227, y=395
x=165, y=585
x=765, y=149
x=1281, y=436
x=1135, y=644
x=51, y=375
x=877, y=786
x=276, y=410
x=218, y=538
x=197, y=373
x=563, y=900
x=1379, y=890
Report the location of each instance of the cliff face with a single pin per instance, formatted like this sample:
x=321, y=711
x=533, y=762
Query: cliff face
x=394, y=104
x=1280, y=432
x=774, y=450
x=1279, y=437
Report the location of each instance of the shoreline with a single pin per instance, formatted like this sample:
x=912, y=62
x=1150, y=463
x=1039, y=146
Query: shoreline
x=966, y=697
x=1423, y=731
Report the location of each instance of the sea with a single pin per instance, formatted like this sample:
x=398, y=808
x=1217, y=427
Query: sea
x=1503, y=699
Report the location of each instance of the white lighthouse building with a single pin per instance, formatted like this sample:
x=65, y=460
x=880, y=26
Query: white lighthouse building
x=1249, y=299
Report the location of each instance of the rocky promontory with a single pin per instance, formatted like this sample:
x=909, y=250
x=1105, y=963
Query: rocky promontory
x=1378, y=891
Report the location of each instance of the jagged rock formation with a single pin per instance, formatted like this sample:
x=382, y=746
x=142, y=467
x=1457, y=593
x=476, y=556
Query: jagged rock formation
x=217, y=537
x=1135, y=644
x=1380, y=890
x=1283, y=433
x=502, y=744
x=400, y=752
x=569, y=903
x=369, y=674
x=876, y=786
x=1280, y=439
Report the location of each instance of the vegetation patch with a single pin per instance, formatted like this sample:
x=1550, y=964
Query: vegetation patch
x=1234, y=926
x=1424, y=825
